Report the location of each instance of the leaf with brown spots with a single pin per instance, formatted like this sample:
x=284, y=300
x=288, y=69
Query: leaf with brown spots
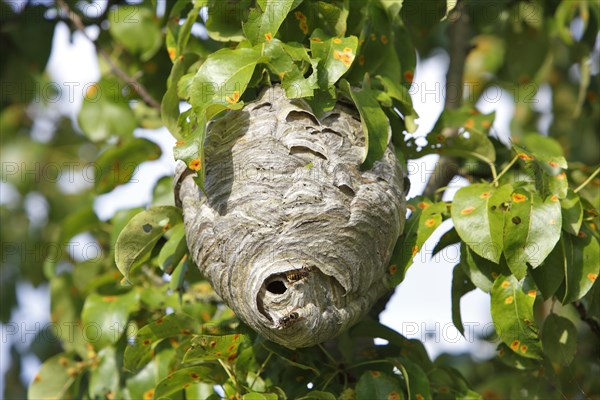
x=479, y=220
x=185, y=377
x=512, y=313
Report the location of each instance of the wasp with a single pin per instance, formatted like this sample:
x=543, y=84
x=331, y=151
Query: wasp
x=289, y=319
x=296, y=275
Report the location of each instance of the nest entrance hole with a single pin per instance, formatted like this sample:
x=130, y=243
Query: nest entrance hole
x=276, y=287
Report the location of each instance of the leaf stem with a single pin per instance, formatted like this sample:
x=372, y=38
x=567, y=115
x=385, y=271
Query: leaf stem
x=588, y=180
x=333, y=361
x=226, y=368
x=505, y=170
x=260, y=370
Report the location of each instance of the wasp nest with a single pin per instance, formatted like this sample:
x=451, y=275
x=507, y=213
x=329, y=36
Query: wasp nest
x=294, y=237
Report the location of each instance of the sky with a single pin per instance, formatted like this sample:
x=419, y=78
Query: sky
x=420, y=307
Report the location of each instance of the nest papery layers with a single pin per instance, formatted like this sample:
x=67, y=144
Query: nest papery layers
x=293, y=236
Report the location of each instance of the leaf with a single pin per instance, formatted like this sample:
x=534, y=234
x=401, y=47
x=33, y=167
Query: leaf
x=410, y=348
x=531, y=231
x=108, y=315
x=282, y=62
x=185, y=377
x=583, y=263
x=54, y=379
x=169, y=106
x=392, y=7
x=137, y=29
x=264, y=21
x=559, y=339
x=416, y=380
x=512, y=314
x=549, y=276
x=318, y=395
x=461, y=285
x=104, y=378
x=336, y=56
x=173, y=250
x=137, y=239
x=224, y=21
x=105, y=113
x=266, y=396
x=542, y=158
x=472, y=140
x=374, y=122
x=572, y=213
x=480, y=271
x=426, y=217
x=140, y=351
x=378, y=385
x=222, y=79
x=118, y=164
x=448, y=239
x=478, y=217
x=335, y=17
x=206, y=347
x=81, y=220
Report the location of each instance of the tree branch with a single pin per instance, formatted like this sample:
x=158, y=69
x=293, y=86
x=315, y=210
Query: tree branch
x=592, y=323
x=135, y=85
x=459, y=34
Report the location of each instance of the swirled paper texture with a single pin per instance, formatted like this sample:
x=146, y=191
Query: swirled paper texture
x=294, y=237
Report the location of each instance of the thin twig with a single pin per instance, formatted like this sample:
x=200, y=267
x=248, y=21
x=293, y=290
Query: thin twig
x=135, y=85
x=459, y=33
x=588, y=180
x=592, y=323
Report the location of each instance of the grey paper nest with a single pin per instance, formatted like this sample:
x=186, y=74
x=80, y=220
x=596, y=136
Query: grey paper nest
x=294, y=237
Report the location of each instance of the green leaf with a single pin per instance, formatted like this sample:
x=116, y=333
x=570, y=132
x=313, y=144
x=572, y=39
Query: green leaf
x=206, y=347
x=334, y=17
x=472, y=140
x=137, y=239
x=531, y=231
x=512, y=313
x=173, y=250
x=105, y=113
x=109, y=316
x=137, y=29
x=461, y=285
x=426, y=217
x=282, y=62
x=139, y=353
x=549, y=276
x=559, y=339
x=392, y=7
x=572, y=213
x=416, y=380
x=335, y=54
x=55, y=378
x=222, y=79
x=186, y=377
x=514, y=360
x=374, y=122
x=169, y=106
x=378, y=385
x=478, y=217
x=105, y=377
x=318, y=395
x=265, y=396
x=480, y=271
x=264, y=21
x=583, y=263
x=224, y=22
x=118, y=164
x=448, y=239
x=81, y=220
